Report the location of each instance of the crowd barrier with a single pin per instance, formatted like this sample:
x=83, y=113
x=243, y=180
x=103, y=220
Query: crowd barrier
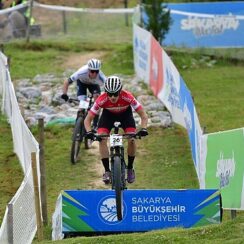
x=218, y=157
x=19, y=223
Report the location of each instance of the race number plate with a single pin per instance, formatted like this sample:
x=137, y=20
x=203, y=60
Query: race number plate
x=116, y=140
x=83, y=104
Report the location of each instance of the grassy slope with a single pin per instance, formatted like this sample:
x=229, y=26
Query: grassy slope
x=227, y=232
x=166, y=151
x=10, y=174
x=218, y=96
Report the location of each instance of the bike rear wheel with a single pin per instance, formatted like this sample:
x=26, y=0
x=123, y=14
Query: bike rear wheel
x=76, y=140
x=118, y=187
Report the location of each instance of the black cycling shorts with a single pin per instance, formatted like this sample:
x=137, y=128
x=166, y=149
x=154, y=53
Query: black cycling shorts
x=82, y=88
x=107, y=119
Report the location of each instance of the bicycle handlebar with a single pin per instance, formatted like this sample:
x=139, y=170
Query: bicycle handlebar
x=70, y=100
x=125, y=136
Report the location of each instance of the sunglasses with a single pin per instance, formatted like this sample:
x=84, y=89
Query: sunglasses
x=116, y=94
x=94, y=71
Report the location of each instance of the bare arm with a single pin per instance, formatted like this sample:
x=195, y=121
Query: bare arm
x=65, y=87
x=88, y=120
x=144, y=118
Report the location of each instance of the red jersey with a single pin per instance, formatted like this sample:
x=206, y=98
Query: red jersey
x=125, y=100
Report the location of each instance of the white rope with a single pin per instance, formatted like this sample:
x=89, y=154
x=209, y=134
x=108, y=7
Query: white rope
x=17, y=7
x=87, y=10
x=241, y=17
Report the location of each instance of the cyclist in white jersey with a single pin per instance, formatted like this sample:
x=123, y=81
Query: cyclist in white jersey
x=88, y=77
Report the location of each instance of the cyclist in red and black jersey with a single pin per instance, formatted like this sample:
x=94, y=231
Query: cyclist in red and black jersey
x=117, y=105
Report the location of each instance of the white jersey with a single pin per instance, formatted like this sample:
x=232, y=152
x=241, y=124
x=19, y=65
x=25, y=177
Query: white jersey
x=82, y=75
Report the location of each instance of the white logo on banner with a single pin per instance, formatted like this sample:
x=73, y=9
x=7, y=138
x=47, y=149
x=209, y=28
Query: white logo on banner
x=141, y=53
x=173, y=98
x=108, y=211
x=187, y=117
x=225, y=169
x=155, y=68
x=209, y=26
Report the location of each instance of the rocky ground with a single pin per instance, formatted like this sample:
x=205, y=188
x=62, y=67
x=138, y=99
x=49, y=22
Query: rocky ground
x=40, y=97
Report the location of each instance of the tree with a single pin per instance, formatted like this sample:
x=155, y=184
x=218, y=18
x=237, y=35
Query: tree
x=159, y=19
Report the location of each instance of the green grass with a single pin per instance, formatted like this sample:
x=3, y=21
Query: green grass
x=60, y=174
x=224, y=91
x=118, y=57
x=11, y=174
x=167, y=156
x=87, y=27
x=228, y=232
x=164, y=158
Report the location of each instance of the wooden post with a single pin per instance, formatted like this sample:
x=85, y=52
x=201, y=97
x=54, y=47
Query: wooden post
x=233, y=214
x=43, y=171
x=126, y=15
x=29, y=21
x=37, y=198
x=64, y=22
x=10, y=224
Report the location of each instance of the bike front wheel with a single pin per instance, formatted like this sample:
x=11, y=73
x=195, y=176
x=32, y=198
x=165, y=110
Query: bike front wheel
x=118, y=187
x=76, y=140
x=88, y=143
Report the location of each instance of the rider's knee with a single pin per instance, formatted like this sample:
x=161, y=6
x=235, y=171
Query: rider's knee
x=103, y=142
x=132, y=141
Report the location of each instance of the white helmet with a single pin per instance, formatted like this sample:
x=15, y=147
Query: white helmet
x=113, y=84
x=94, y=64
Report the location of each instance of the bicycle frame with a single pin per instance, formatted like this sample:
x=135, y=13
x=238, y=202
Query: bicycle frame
x=79, y=129
x=117, y=150
x=118, y=165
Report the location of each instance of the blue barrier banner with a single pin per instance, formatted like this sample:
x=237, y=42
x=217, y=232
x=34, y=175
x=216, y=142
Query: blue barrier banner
x=208, y=24
x=143, y=210
x=188, y=108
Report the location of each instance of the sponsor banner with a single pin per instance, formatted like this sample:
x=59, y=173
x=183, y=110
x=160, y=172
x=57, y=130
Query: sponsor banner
x=198, y=143
x=143, y=210
x=169, y=95
x=203, y=156
x=141, y=50
x=191, y=122
x=224, y=168
x=167, y=84
x=156, y=67
x=208, y=24
x=57, y=233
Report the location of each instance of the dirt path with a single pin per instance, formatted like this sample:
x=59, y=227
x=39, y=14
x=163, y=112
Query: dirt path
x=75, y=61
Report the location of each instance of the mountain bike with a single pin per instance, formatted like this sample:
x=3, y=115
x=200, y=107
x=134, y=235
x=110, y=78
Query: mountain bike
x=118, y=165
x=79, y=129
